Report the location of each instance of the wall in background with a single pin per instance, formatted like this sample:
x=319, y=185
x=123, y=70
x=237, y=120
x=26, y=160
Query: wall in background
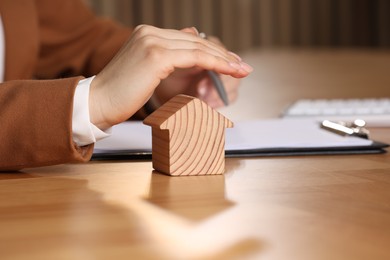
x=244, y=24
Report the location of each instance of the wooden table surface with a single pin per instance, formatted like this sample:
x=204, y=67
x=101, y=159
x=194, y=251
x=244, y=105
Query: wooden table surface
x=307, y=207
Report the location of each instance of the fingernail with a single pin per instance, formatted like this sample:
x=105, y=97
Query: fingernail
x=235, y=55
x=246, y=66
x=235, y=65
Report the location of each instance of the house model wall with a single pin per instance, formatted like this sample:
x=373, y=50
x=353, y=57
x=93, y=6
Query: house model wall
x=188, y=137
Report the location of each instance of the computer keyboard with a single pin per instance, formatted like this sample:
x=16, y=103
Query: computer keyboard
x=375, y=111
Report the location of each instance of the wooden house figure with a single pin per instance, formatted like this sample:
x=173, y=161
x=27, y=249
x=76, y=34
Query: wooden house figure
x=188, y=137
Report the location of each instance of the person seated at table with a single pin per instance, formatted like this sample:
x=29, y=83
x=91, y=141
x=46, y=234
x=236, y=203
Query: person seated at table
x=68, y=76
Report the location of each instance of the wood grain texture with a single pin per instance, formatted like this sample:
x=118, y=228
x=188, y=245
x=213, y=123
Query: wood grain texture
x=188, y=137
x=296, y=208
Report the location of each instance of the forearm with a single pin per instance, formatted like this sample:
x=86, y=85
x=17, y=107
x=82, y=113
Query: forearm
x=36, y=124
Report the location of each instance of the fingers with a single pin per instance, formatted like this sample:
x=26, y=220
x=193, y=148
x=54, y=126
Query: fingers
x=172, y=49
x=187, y=38
x=206, y=60
x=191, y=30
x=147, y=58
x=187, y=45
x=207, y=92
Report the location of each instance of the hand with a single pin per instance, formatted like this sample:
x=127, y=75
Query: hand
x=197, y=83
x=149, y=56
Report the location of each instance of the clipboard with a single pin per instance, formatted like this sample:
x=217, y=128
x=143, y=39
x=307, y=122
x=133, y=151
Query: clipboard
x=258, y=138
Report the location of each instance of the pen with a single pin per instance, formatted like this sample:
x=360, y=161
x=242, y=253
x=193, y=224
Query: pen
x=217, y=81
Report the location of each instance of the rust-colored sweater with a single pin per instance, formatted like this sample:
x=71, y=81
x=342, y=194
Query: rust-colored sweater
x=49, y=46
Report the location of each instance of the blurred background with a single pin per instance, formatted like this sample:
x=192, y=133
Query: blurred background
x=243, y=24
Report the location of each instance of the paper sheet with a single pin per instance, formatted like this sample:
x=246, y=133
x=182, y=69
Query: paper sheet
x=259, y=134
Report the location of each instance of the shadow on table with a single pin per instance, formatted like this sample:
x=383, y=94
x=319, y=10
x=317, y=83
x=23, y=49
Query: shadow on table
x=192, y=197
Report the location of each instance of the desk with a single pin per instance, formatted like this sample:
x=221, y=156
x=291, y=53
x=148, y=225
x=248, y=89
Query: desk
x=314, y=207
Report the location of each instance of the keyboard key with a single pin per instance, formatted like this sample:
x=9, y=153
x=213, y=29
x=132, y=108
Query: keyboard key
x=375, y=111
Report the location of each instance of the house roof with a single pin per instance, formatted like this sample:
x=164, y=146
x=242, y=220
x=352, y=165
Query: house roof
x=177, y=105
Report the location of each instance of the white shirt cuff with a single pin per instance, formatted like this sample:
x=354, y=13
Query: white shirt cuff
x=84, y=132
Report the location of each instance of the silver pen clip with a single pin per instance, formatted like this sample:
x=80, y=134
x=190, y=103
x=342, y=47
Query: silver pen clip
x=356, y=128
